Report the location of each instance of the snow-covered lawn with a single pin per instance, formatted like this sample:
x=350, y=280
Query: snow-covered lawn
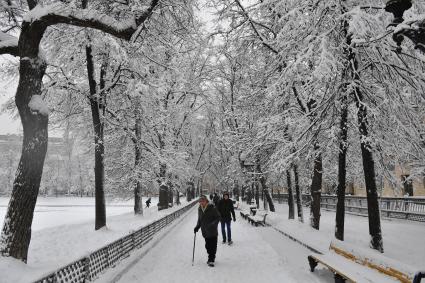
x=404, y=241
x=51, y=211
x=65, y=241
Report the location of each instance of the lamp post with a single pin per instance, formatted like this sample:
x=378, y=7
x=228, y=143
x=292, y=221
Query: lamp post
x=414, y=30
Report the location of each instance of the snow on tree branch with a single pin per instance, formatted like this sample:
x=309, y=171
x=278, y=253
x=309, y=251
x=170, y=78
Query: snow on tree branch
x=8, y=44
x=59, y=13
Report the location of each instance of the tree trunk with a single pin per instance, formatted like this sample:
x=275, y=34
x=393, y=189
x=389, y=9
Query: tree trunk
x=298, y=195
x=369, y=175
x=16, y=233
x=178, y=197
x=138, y=203
x=99, y=169
x=315, y=189
x=340, y=206
x=163, y=187
x=368, y=162
x=267, y=197
x=290, y=196
x=257, y=194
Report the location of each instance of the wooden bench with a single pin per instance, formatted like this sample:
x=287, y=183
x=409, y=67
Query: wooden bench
x=244, y=214
x=253, y=210
x=259, y=219
x=419, y=276
x=346, y=266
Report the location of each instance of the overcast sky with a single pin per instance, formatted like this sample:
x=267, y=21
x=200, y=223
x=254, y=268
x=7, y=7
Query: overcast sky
x=8, y=125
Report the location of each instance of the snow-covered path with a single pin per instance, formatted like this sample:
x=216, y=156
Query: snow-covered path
x=259, y=254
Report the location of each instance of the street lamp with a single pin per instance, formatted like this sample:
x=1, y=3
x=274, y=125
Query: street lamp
x=414, y=30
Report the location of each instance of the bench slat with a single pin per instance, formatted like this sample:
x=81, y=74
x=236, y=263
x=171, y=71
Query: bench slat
x=350, y=270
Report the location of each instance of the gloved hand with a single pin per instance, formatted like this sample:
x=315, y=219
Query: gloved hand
x=234, y=219
x=196, y=229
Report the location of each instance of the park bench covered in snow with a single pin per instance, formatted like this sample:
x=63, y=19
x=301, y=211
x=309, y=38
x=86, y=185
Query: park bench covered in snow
x=244, y=214
x=258, y=219
x=254, y=216
x=354, y=264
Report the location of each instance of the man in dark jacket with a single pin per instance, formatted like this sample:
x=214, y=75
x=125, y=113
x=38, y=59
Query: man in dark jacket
x=208, y=218
x=216, y=199
x=227, y=211
x=148, y=202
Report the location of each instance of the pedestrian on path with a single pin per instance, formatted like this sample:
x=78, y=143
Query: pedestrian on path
x=208, y=218
x=227, y=211
x=216, y=199
x=148, y=202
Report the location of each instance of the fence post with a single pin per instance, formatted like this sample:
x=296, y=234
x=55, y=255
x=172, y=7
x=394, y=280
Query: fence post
x=86, y=269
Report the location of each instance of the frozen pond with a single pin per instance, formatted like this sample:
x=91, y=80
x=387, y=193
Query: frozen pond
x=55, y=211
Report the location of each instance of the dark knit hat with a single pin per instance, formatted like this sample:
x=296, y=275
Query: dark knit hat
x=226, y=193
x=203, y=197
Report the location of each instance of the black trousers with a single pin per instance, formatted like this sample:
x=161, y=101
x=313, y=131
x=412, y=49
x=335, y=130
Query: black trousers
x=211, y=246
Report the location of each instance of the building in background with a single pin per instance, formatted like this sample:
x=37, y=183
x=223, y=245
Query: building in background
x=64, y=173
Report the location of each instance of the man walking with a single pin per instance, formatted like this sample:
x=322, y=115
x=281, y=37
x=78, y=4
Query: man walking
x=208, y=218
x=216, y=199
x=226, y=210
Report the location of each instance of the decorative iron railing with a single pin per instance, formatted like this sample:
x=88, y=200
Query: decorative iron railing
x=409, y=208
x=88, y=268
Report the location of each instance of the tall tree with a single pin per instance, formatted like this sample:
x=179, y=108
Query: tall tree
x=16, y=232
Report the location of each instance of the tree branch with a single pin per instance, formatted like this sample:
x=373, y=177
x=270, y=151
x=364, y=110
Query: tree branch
x=8, y=44
x=252, y=24
x=59, y=13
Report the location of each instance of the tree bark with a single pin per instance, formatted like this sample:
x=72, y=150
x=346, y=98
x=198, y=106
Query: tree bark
x=163, y=188
x=266, y=193
x=267, y=197
x=298, y=195
x=290, y=196
x=340, y=206
x=342, y=172
x=257, y=194
x=16, y=232
x=374, y=216
x=369, y=175
x=97, y=105
x=138, y=203
x=315, y=189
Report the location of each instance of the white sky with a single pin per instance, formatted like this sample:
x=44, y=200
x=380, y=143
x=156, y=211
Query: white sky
x=8, y=125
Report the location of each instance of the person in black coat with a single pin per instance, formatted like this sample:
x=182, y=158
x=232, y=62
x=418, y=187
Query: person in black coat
x=148, y=202
x=227, y=212
x=208, y=218
x=216, y=199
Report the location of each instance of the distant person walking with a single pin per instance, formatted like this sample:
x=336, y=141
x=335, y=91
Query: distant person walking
x=208, y=218
x=148, y=202
x=216, y=199
x=227, y=212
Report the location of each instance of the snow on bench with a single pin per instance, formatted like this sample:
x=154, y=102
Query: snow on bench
x=359, y=265
x=244, y=214
x=258, y=219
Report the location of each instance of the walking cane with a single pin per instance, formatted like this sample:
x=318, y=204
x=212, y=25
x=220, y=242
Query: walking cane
x=193, y=255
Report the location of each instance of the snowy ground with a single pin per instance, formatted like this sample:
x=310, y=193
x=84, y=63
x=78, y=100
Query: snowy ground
x=66, y=241
x=51, y=211
x=259, y=254
x=403, y=240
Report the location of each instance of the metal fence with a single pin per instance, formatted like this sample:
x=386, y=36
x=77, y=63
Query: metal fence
x=391, y=207
x=88, y=268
